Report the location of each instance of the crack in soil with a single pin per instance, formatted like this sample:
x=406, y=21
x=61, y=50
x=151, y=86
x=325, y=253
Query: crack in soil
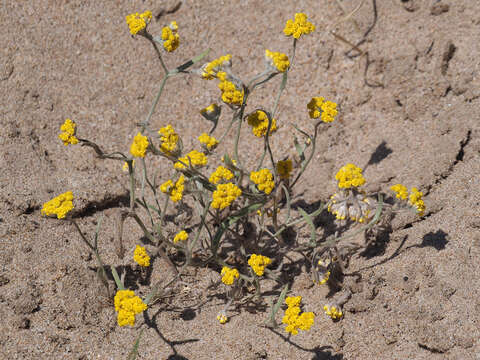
x=458, y=158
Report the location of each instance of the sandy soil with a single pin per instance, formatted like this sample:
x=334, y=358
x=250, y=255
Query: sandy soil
x=410, y=116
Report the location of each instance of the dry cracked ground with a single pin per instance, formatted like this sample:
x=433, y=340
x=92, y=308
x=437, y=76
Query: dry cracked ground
x=409, y=113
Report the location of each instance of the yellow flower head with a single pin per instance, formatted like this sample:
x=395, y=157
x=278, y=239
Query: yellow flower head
x=415, y=200
x=125, y=166
x=333, y=311
x=208, y=141
x=211, y=112
x=263, y=179
x=175, y=191
x=259, y=123
x=277, y=60
x=284, y=168
x=319, y=107
x=128, y=305
x=293, y=317
x=222, y=173
x=231, y=93
x=137, y=22
x=229, y=275
x=222, y=317
x=401, y=191
x=298, y=27
x=225, y=195
x=194, y=157
x=169, y=140
x=293, y=301
x=349, y=176
x=60, y=205
x=139, y=145
x=141, y=257
x=211, y=69
x=170, y=38
x=259, y=263
x=68, y=133
x=181, y=236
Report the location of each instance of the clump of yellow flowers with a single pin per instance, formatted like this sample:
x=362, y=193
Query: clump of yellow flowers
x=259, y=123
x=59, y=206
x=229, y=275
x=175, y=191
x=139, y=145
x=141, y=257
x=415, y=198
x=137, y=22
x=333, y=311
x=318, y=107
x=222, y=173
x=298, y=27
x=233, y=188
x=194, y=158
x=68, y=133
x=171, y=40
x=294, y=319
x=349, y=176
x=169, y=140
x=208, y=141
x=277, y=60
x=259, y=263
x=263, y=179
x=181, y=236
x=225, y=195
x=127, y=305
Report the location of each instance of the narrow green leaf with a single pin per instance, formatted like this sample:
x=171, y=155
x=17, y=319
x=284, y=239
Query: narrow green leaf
x=192, y=61
x=271, y=321
x=308, y=220
x=134, y=352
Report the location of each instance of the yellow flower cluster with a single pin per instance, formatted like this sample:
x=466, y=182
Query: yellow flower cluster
x=181, y=236
x=141, y=257
x=326, y=273
x=259, y=123
x=319, y=107
x=60, y=205
x=225, y=195
x=229, y=275
x=194, y=157
x=137, y=22
x=230, y=93
x=401, y=191
x=277, y=60
x=125, y=166
x=139, y=145
x=414, y=199
x=298, y=27
x=349, y=176
x=263, y=179
x=175, y=191
x=171, y=40
x=222, y=317
x=284, y=168
x=222, y=173
x=294, y=319
x=68, y=133
x=128, y=305
x=208, y=141
x=211, y=112
x=259, y=263
x=169, y=139
x=333, y=312
x=211, y=69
